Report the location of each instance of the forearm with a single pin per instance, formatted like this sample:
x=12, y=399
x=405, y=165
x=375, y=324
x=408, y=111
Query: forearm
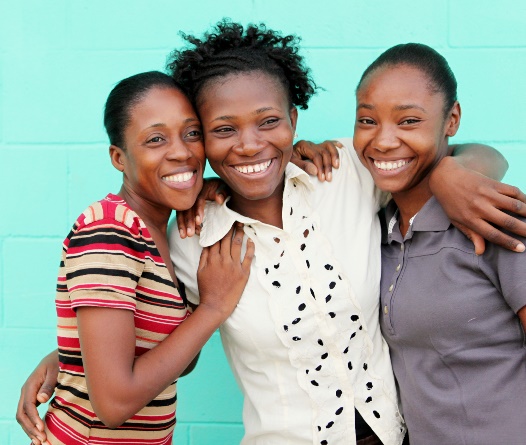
x=122, y=386
x=481, y=159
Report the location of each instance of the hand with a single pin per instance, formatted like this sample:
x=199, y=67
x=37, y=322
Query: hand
x=189, y=222
x=476, y=204
x=317, y=159
x=37, y=389
x=222, y=275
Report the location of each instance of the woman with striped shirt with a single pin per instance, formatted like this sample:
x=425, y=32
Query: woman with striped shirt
x=125, y=333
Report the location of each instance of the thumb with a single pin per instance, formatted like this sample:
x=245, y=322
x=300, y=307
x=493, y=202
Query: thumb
x=46, y=390
x=478, y=241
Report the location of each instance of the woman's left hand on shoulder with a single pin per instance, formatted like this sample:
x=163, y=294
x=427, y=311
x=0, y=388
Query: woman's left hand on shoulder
x=478, y=205
x=317, y=159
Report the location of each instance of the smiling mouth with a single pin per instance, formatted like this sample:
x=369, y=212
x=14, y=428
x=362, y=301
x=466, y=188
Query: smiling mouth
x=253, y=168
x=180, y=177
x=390, y=165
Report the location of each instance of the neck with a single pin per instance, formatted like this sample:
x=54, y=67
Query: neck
x=266, y=210
x=154, y=215
x=409, y=202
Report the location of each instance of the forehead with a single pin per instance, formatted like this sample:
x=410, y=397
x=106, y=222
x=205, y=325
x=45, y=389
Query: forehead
x=241, y=89
x=398, y=81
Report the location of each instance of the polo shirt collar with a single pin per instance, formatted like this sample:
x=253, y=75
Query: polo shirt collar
x=430, y=218
x=219, y=218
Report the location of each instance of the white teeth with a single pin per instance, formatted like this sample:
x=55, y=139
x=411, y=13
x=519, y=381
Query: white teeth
x=180, y=177
x=253, y=168
x=389, y=165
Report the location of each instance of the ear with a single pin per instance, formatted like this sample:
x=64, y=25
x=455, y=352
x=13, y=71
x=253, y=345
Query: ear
x=118, y=157
x=453, y=120
x=293, y=113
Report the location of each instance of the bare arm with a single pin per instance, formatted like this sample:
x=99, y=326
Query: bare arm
x=475, y=203
x=119, y=384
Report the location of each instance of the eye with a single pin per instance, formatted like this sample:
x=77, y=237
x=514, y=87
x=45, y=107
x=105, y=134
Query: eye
x=271, y=121
x=366, y=121
x=410, y=121
x=155, y=140
x=194, y=135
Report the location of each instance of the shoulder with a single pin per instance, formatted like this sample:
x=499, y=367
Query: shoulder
x=110, y=211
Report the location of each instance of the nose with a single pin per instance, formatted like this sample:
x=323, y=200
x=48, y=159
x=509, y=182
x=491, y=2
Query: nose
x=386, y=138
x=249, y=143
x=178, y=151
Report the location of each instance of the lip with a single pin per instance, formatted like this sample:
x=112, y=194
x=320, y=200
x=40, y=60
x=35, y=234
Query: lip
x=264, y=171
x=181, y=179
x=390, y=166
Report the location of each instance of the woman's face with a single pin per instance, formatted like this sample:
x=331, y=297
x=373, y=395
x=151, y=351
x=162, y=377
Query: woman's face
x=163, y=159
x=248, y=128
x=401, y=131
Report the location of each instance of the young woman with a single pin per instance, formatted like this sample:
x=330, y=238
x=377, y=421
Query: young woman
x=452, y=318
x=125, y=333
x=304, y=341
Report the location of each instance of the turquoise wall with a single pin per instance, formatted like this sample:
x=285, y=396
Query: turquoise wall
x=58, y=61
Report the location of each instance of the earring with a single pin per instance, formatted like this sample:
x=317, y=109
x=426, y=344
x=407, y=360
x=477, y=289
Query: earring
x=295, y=135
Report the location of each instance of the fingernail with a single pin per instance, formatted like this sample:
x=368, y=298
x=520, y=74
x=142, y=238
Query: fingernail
x=249, y=240
x=189, y=231
x=337, y=163
x=182, y=233
x=323, y=176
x=329, y=176
x=197, y=219
x=519, y=248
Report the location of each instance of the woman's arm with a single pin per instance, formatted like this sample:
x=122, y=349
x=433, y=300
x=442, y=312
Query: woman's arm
x=37, y=389
x=119, y=384
x=475, y=203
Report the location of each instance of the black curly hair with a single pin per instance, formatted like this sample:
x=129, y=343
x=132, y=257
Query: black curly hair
x=229, y=48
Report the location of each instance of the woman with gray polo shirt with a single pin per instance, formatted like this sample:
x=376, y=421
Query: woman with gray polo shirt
x=452, y=319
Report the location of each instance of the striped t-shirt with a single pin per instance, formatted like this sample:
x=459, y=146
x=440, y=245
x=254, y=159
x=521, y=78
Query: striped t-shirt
x=109, y=259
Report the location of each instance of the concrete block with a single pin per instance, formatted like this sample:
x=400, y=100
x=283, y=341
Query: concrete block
x=33, y=180
x=210, y=392
x=487, y=23
x=30, y=282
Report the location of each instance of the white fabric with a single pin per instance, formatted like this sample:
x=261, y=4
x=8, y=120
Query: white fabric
x=304, y=348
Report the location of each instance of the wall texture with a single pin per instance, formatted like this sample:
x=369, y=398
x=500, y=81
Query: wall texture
x=59, y=60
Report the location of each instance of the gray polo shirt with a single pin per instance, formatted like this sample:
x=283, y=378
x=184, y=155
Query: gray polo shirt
x=457, y=345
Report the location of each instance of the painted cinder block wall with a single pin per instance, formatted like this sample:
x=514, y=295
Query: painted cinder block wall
x=59, y=60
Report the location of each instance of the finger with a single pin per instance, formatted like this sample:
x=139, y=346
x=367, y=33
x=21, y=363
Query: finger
x=306, y=166
x=237, y=242
x=189, y=221
x=199, y=207
x=335, y=154
x=226, y=242
x=327, y=163
x=47, y=389
x=32, y=426
x=511, y=203
x=496, y=236
x=180, y=224
x=475, y=238
x=511, y=191
x=249, y=256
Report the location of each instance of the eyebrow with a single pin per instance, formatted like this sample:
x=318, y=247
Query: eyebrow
x=227, y=117
x=396, y=108
x=186, y=121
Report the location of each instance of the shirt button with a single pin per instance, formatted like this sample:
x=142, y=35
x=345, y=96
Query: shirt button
x=386, y=311
x=391, y=288
x=401, y=247
x=398, y=267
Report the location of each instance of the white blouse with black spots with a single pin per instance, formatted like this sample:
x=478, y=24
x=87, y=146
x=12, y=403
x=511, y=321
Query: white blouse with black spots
x=304, y=341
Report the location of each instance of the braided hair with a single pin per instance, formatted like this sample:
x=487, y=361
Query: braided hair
x=230, y=49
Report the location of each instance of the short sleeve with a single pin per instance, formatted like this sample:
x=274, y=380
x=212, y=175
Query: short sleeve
x=103, y=262
x=507, y=271
x=185, y=255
